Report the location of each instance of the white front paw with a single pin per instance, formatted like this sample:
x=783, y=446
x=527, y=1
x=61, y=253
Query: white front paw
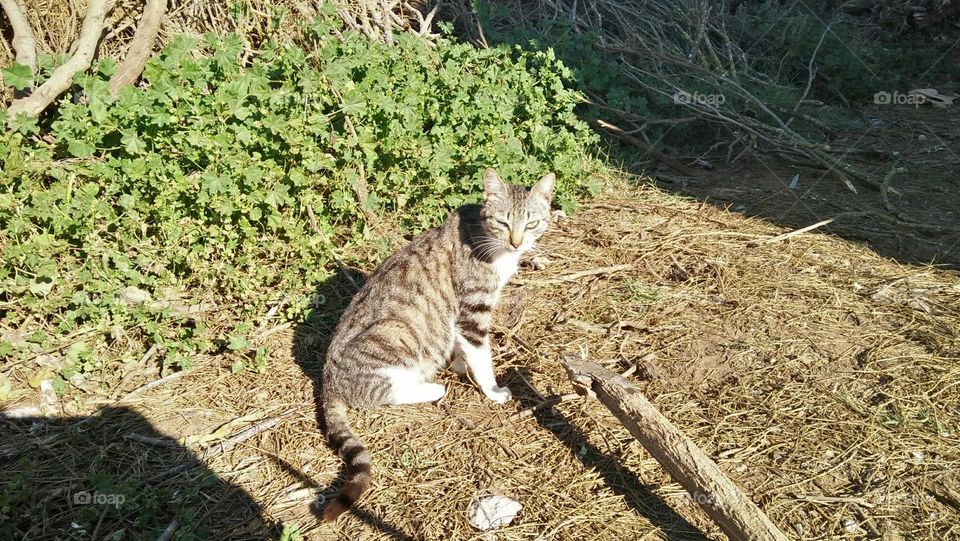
x=498, y=394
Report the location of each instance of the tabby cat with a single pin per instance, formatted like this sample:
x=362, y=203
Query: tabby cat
x=428, y=306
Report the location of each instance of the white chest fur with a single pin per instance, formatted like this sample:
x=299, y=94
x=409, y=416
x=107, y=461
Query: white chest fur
x=506, y=266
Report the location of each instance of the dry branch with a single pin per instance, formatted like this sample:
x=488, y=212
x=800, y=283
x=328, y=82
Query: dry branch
x=141, y=46
x=221, y=447
x=802, y=230
x=23, y=42
x=649, y=149
x=579, y=274
x=736, y=514
x=62, y=78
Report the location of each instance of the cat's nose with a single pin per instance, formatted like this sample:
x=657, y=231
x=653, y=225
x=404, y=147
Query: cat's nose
x=516, y=240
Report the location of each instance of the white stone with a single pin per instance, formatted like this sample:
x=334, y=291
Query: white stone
x=491, y=512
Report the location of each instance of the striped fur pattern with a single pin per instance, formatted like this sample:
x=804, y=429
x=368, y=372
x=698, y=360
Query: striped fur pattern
x=428, y=306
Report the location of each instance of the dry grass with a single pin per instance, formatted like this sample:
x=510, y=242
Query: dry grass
x=822, y=378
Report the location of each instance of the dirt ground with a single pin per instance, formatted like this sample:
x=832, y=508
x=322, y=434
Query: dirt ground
x=821, y=377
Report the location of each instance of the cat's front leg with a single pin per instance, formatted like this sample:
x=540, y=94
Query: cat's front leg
x=478, y=357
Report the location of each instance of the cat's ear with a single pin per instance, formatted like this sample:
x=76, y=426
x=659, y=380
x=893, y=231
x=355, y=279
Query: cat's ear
x=544, y=188
x=492, y=185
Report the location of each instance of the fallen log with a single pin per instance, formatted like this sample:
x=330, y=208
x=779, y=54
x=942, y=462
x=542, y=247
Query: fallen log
x=738, y=517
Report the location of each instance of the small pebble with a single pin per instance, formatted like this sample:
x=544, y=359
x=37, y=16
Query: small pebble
x=851, y=526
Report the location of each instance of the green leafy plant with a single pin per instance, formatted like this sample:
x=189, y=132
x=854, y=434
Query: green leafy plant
x=233, y=177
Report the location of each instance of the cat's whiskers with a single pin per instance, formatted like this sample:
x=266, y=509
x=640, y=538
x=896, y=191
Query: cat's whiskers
x=487, y=247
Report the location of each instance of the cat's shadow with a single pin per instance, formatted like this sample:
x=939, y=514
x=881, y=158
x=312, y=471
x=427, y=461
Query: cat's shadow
x=619, y=479
x=310, y=340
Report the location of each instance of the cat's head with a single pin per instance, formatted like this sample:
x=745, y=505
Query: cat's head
x=514, y=215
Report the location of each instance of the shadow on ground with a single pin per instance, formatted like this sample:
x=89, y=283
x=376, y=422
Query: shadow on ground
x=917, y=225
x=621, y=481
x=114, y=476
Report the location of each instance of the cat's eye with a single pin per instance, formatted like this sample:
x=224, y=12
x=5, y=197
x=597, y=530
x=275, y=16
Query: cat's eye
x=533, y=224
x=504, y=225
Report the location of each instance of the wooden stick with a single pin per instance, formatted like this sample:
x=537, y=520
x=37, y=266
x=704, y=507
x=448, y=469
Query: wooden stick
x=62, y=77
x=545, y=403
x=800, y=231
x=140, y=47
x=733, y=511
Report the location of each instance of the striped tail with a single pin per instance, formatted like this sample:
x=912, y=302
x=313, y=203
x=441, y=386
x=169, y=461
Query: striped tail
x=345, y=443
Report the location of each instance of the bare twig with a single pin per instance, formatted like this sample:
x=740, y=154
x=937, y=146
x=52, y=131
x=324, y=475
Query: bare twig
x=483, y=38
x=811, y=69
x=884, y=216
x=426, y=22
x=222, y=447
x=147, y=440
x=833, y=499
x=554, y=400
x=885, y=189
x=800, y=231
x=545, y=403
x=945, y=494
x=272, y=331
x=653, y=152
x=152, y=385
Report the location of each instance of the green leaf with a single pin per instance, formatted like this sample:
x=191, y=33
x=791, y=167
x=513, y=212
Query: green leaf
x=238, y=342
x=107, y=67
x=41, y=288
x=132, y=143
x=291, y=532
x=25, y=124
x=80, y=149
x=127, y=201
x=77, y=351
x=18, y=76
x=260, y=360
x=353, y=103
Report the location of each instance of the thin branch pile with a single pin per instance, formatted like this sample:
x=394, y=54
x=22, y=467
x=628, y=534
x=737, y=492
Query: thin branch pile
x=681, y=56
